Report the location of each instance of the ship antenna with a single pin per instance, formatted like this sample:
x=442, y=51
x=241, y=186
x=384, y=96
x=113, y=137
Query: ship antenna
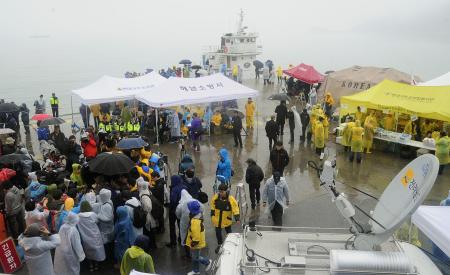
x=241, y=20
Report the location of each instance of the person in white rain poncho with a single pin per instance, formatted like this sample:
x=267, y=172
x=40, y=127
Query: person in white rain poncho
x=182, y=213
x=37, y=245
x=91, y=238
x=105, y=216
x=92, y=199
x=146, y=203
x=276, y=194
x=69, y=253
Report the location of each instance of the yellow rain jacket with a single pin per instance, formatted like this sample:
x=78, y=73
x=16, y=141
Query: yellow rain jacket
x=250, y=109
x=347, y=133
x=216, y=119
x=357, y=137
x=326, y=127
x=145, y=155
x=389, y=123
x=436, y=135
x=442, y=150
x=145, y=175
x=369, y=130
x=235, y=70
x=319, y=135
x=95, y=110
x=279, y=71
x=196, y=234
x=359, y=116
x=222, y=211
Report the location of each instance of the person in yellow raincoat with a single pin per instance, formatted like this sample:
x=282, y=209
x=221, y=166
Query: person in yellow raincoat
x=250, y=113
x=410, y=128
x=326, y=127
x=442, y=151
x=359, y=115
x=369, y=130
x=436, y=134
x=95, y=110
x=426, y=127
x=315, y=114
x=319, y=136
x=235, y=72
x=329, y=103
x=347, y=134
x=357, y=133
x=389, y=122
x=196, y=239
x=279, y=72
x=223, y=208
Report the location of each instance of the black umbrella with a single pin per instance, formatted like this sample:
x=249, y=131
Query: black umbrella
x=196, y=67
x=231, y=112
x=8, y=108
x=13, y=158
x=258, y=64
x=185, y=62
x=280, y=97
x=110, y=164
x=131, y=143
x=52, y=121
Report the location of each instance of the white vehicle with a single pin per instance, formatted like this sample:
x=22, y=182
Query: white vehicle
x=366, y=249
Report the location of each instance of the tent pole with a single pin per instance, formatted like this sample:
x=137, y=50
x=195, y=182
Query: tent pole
x=257, y=125
x=71, y=107
x=87, y=117
x=156, y=126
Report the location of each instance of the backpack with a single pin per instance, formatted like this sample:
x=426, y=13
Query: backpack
x=157, y=207
x=139, y=216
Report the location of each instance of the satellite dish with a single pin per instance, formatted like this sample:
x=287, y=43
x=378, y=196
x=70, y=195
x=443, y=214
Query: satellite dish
x=400, y=199
x=405, y=193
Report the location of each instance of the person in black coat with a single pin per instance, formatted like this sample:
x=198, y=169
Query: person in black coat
x=304, y=118
x=253, y=176
x=73, y=152
x=271, y=131
x=281, y=111
x=237, y=127
x=85, y=113
x=193, y=184
x=158, y=191
x=279, y=158
x=291, y=119
x=25, y=116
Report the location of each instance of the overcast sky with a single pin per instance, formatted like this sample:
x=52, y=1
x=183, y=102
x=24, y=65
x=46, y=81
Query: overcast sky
x=410, y=35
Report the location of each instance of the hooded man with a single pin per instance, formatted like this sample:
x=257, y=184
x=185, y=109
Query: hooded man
x=136, y=258
x=279, y=158
x=224, y=165
x=276, y=197
x=192, y=183
x=91, y=237
x=177, y=185
x=237, y=127
x=223, y=208
x=38, y=243
x=356, y=137
x=106, y=216
x=271, y=131
x=253, y=176
x=281, y=111
x=147, y=206
x=304, y=118
x=69, y=253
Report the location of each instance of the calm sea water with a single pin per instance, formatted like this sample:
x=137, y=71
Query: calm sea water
x=33, y=66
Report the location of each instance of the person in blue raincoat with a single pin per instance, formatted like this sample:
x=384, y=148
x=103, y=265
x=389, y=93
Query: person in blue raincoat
x=123, y=232
x=35, y=190
x=153, y=163
x=224, y=165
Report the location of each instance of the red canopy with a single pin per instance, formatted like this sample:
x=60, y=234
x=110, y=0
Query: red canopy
x=305, y=73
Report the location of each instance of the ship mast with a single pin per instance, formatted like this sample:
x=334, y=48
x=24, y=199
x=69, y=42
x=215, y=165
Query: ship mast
x=241, y=29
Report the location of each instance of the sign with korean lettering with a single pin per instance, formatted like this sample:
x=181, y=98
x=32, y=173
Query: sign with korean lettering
x=9, y=258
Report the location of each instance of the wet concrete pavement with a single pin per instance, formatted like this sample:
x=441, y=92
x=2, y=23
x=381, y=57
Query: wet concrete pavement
x=310, y=204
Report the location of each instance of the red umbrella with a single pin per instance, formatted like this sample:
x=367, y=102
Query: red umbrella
x=39, y=117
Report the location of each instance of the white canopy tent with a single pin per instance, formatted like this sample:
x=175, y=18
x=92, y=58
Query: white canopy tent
x=443, y=80
x=184, y=91
x=109, y=89
x=434, y=222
